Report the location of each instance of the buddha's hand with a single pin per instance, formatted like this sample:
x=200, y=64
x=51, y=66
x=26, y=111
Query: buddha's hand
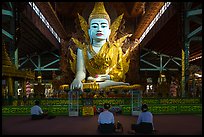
x=76, y=85
x=100, y=77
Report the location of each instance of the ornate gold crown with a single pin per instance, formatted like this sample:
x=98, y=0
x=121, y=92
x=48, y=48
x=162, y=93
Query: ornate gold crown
x=99, y=11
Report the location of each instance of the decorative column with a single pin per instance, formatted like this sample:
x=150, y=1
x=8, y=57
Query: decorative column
x=10, y=90
x=24, y=88
x=185, y=50
x=183, y=74
x=190, y=14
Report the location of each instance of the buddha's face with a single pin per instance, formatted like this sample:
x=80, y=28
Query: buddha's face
x=99, y=29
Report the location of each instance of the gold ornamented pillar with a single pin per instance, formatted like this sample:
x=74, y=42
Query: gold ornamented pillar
x=10, y=87
x=24, y=87
x=10, y=90
x=183, y=74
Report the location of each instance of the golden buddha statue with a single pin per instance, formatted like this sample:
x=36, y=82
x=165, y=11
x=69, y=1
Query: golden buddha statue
x=100, y=58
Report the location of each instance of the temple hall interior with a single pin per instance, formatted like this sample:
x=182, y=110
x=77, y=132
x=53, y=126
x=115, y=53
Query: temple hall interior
x=153, y=56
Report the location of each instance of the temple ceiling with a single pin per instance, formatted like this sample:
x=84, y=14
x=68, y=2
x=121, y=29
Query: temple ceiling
x=137, y=15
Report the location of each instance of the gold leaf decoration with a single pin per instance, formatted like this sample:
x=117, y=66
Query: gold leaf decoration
x=84, y=27
x=126, y=61
x=119, y=42
x=78, y=43
x=73, y=63
x=114, y=27
x=124, y=87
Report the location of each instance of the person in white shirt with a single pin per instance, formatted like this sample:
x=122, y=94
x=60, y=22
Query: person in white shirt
x=144, y=121
x=106, y=120
x=36, y=111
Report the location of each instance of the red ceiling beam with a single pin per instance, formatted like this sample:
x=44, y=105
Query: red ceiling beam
x=146, y=19
x=51, y=16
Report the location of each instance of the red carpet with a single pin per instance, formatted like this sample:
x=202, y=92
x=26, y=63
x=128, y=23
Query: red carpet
x=65, y=125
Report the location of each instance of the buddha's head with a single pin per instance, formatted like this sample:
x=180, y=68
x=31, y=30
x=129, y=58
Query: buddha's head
x=99, y=23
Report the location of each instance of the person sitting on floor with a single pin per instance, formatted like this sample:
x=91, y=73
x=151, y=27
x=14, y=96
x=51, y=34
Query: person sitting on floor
x=144, y=121
x=106, y=120
x=36, y=111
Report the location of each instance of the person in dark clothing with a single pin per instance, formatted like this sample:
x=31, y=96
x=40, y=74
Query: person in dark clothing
x=144, y=122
